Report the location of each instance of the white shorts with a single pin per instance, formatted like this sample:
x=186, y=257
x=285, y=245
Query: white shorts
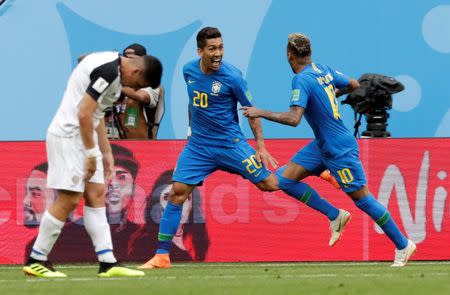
x=66, y=163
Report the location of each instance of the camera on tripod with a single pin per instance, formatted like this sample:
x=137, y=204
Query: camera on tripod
x=373, y=99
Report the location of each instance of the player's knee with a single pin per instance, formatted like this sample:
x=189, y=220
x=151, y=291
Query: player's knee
x=280, y=171
x=95, y=199
x=177, y=197
x=359, y=194
x=271, y=188
x=283, y=182
x=68, y=200
x=69, y=204
x=270, y=184
x=268, y=187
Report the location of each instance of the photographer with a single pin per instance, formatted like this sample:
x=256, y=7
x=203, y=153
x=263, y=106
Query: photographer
x=140, y=111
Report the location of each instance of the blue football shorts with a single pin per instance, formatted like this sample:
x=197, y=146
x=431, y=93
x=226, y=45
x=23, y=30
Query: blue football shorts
x=196, y=162
x=347, y=168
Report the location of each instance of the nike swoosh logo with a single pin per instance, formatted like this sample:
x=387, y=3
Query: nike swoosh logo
x=191, y=81
x=257, y=174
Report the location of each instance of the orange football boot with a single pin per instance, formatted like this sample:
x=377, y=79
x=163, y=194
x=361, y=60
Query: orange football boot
x=326, y=175
x=158, y=261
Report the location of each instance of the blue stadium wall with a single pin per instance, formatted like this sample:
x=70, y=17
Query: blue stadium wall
x=409, y=40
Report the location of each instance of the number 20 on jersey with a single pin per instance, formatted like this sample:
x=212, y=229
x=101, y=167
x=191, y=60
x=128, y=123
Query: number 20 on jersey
x=200, y=99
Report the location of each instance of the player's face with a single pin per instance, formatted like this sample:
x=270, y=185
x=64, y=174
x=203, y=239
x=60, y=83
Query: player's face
x=290, y=59
x=134, y=80
x=130, y=75
x=37, y=199
x=119, y=190
x=211, y=54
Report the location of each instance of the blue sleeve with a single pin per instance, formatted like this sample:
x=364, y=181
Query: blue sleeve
x=300, y=92
x=340, y=80
x=184, y=73
x=241, y=91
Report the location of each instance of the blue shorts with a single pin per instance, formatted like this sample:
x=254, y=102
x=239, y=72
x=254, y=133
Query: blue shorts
x=347, y=169
x=196, y=162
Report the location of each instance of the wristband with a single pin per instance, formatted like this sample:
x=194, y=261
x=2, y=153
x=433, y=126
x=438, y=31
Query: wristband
x=91, y=153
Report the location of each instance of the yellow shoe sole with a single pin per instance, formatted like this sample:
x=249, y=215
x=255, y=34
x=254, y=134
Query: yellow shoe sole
x=118, y=271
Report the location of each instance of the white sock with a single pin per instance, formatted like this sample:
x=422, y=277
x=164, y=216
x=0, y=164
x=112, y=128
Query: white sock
x=49, y=231
x=97, y=227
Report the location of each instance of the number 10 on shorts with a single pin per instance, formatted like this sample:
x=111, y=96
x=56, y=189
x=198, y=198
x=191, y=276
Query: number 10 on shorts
x=345, y=175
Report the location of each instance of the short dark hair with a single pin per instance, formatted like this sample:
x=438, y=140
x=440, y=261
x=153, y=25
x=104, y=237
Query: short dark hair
x=138, y=49
x=152, y=71
x=43, y=167
x=299, y=45
x=207, y=33
x=124, y=157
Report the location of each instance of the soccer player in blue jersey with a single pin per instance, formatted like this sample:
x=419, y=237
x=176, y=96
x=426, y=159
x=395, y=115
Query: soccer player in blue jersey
x=216, y=143
x=314, y=91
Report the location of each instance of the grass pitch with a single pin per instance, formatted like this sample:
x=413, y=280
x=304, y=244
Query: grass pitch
x=242, y=278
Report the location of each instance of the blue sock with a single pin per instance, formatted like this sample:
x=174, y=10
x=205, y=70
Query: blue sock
x=382, y=217
x=168, y=227
x=304, y=193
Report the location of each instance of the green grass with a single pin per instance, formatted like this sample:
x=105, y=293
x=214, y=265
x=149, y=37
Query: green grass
x=239, y=278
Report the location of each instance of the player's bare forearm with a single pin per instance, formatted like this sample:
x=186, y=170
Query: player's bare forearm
x=137, y=95
x=87, y=132
x=85, y=118
x=291, y=118
x=105, y=148
x=285, y=118
x=262, y=155
x=255, y=125
x=350, y=88
x=103, y=141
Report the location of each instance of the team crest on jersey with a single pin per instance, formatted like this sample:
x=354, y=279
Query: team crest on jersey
x=216, y=85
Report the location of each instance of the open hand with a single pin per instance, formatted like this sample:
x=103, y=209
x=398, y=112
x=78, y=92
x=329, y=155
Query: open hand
x=90, y=167
x=108, y=165
x=262, y=155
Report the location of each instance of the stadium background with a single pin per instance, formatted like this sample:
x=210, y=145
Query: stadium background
x=42, y=39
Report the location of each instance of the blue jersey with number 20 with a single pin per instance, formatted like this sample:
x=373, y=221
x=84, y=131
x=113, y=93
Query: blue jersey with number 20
x=213, y=102
x=314, y=90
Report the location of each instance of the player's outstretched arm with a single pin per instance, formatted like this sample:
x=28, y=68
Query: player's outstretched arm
x=291, y=118
x=350, y=88
x=262, y=155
